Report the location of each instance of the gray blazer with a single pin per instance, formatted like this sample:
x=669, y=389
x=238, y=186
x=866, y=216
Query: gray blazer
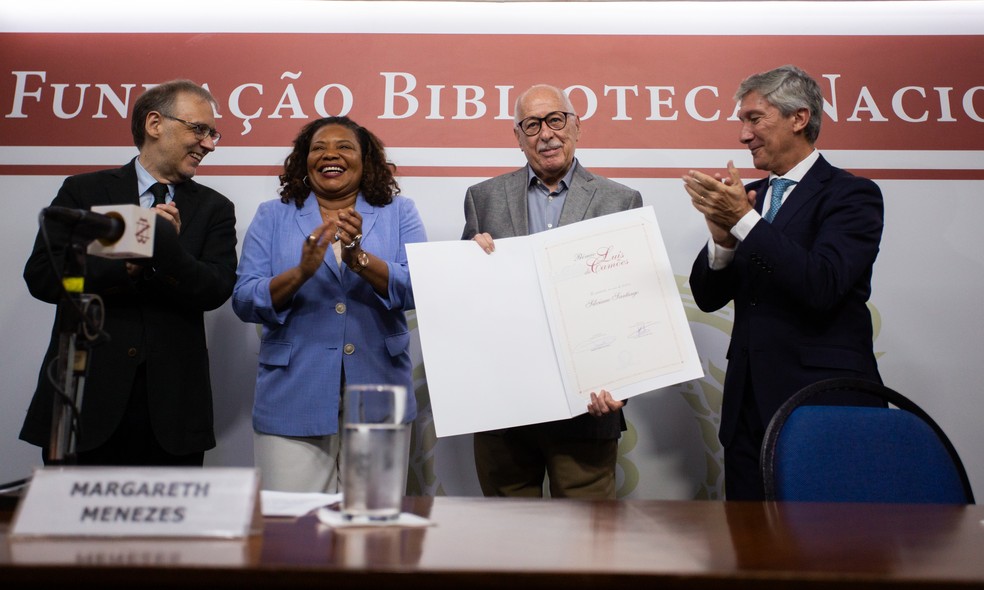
x=498, y=206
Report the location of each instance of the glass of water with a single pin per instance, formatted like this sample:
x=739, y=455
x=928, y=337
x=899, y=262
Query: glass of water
x=374, y=451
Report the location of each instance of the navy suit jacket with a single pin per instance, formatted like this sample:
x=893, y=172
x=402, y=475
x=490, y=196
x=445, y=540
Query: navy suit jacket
x=498, y=206
x=157, y=320
x=800, y=287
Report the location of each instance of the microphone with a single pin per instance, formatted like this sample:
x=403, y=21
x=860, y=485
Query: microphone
x=113, y=231
x=88, y=225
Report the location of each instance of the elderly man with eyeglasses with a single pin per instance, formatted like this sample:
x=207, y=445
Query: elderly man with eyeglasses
x=577, y=455
x=146, y=399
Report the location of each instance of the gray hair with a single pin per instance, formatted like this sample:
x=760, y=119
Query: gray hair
x=161, y=98
x=559, y=91
x=789, y=89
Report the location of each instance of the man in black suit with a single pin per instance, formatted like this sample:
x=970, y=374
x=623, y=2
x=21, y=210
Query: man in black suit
x=796, y=262
x=147, y=398
x=578, y=455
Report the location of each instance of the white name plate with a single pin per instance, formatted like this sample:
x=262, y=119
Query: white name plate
x=127, y=552
x=219, y=502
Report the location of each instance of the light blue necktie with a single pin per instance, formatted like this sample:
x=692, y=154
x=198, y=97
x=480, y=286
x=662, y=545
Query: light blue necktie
x=779, y=186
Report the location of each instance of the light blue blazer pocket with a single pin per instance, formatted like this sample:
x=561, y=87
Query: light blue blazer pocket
x=396, y=344
x=275, y=353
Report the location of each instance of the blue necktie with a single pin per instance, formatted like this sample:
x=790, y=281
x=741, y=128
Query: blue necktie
x=779, y=186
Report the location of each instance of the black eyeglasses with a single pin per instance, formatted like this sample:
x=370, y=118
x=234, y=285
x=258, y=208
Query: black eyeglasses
x=201, y=130
x=556, y=120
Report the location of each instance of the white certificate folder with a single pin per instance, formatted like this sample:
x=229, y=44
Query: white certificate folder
x=524, y=335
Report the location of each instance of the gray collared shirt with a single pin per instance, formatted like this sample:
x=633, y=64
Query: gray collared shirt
x=545, y=206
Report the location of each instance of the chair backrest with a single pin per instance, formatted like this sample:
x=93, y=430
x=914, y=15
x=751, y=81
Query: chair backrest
x=827, y=453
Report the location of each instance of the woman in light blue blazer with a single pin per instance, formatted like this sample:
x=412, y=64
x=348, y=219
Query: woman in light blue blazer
x=324, y=271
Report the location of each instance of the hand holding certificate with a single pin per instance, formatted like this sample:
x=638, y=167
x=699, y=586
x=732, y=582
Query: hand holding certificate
x=526, y=334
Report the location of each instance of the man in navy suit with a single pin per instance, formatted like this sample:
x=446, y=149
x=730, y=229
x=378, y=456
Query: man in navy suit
x=577, y=455
x=147, y=399
x=796, y=262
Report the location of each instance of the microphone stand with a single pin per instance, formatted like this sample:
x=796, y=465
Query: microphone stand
x=73, y=357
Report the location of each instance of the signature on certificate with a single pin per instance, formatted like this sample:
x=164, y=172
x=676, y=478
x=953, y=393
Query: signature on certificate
x=640, y=329
x=595, y=342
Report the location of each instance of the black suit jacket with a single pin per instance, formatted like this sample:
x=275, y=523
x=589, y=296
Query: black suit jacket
x=800, y=287
x=157, y=320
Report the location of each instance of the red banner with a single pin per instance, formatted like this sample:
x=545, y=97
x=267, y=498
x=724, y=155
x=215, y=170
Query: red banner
x=427, y=90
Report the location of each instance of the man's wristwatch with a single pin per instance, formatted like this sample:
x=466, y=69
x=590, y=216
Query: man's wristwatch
x=361, y=261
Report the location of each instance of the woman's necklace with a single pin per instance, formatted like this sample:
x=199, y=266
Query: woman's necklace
x=330, y=213
x=327, y=214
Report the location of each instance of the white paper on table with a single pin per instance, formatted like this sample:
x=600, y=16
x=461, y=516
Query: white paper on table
x=294, y=504
x=522, y=336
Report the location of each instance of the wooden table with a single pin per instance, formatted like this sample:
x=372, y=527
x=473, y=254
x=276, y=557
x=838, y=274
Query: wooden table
x=510, y=544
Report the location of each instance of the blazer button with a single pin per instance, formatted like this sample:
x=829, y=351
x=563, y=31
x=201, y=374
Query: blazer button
x=349, y=348
x=132, y=352
x=339, y=308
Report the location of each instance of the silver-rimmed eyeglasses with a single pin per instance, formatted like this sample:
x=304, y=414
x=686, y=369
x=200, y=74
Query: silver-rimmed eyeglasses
x=556, y=120
x=201, y=130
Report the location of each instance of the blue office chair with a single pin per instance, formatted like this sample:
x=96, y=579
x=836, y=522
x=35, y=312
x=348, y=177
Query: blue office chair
x=825, y=453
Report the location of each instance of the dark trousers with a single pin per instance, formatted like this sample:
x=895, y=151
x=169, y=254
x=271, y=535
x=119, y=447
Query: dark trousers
x=742, y=470
x=514, y=462
x=134, y=444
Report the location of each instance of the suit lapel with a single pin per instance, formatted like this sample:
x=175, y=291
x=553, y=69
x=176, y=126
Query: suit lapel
x=308, y=219
x=186, y=200
x=515, y=189
x=807, y=189
x=579, y=196
x=760, y=187
x=123, y=190
x=368, y=213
